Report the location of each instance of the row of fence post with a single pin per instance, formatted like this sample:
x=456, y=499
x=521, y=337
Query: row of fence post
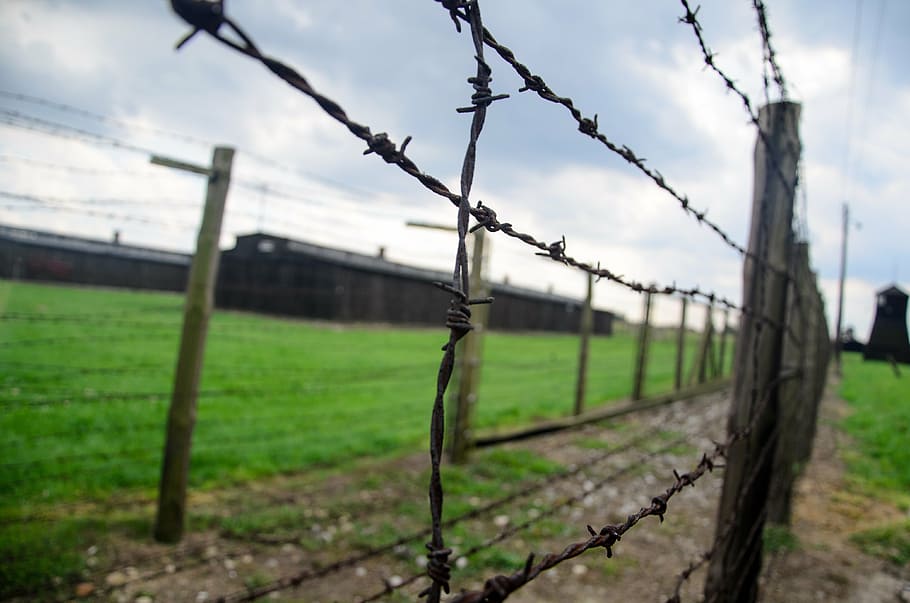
x=708, y=362
x=779, y=369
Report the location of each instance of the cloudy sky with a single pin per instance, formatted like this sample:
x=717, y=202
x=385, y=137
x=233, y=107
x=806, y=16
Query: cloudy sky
x=400, y=67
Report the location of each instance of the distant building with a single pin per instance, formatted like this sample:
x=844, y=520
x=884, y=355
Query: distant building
x=889, y=331
x=43, y=256
x=274, y=275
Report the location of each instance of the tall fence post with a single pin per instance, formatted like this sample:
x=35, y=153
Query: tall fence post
x=587, y=322
x=471, y=354
x=736, y=561
x=641, y=359
x=795, y=394
x=680, y=346
x=171, y=516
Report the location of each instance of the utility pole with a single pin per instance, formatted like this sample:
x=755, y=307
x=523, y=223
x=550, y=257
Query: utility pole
x=171, y=516
x=838, y=344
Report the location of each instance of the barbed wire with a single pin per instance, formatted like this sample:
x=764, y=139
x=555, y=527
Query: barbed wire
x=770, y=57
x=179, y=136
x=17, y=119
x=506, y=533
x=691, y=19
x=208, y=17
x=51, y=205
x=498, y=588
x=534, y=486
x=590, y=127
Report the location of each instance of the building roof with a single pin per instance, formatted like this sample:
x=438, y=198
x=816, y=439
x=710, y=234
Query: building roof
x=71, y=243
x=373, y=263
x=892, y=291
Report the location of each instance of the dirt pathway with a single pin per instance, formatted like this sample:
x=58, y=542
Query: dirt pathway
x=597, y=475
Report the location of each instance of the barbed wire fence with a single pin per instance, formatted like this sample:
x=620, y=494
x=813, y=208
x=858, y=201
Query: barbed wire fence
x=783, y=314
x=753, y=423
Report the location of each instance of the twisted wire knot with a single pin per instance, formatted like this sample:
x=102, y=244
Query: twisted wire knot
x=486, y=218
x=458, y=316
x=588, y=126
x=556, y=251
x=385, y=148
x=483, y=95
x=452, y=6
x=438, y=568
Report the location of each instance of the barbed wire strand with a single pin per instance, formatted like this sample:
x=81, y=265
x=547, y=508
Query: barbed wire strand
x=590, y=127
x=498, y=588
x=770, y=56
x=307, y=575
x=691, y=19
x=513, y=529
x=208, y=17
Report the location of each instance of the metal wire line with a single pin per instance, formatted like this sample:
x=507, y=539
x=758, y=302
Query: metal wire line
x=531, y=521
x=498, y=588
x=590, y=127
x=691, y=18
x=770, y=56
x=130, y=125
x=208, y=17
x=52, y=128
x=287, y=582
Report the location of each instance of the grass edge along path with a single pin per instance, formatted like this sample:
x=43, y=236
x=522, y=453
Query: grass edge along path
x=879, y=463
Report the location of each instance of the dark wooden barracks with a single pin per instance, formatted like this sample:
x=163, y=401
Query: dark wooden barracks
x=275, y=275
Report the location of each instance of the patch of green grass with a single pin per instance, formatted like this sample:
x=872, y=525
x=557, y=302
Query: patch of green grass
x=776, y=539
x=86, y=375
x=879, y=423
x=890, y=542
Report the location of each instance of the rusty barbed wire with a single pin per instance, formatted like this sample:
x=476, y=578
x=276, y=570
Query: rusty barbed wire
x=567, y=502
x=590, y=127
x=458, y=318
x=381, y=145
x=531, y=488
x=498, y=588
x=691, y=19
x=722, y=533
x=770, y=57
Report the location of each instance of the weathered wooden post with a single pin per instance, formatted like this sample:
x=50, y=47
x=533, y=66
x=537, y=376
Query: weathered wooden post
x=641, y=359
x=722, y=361
x=680, y=346
x=171, y=516
x=707, y=339
x=793, y=397
x=587, y=323
x=471, y=354
x=736, y=561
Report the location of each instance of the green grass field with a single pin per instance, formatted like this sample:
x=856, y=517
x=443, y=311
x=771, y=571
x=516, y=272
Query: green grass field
x=879, y=423
x=85, y=376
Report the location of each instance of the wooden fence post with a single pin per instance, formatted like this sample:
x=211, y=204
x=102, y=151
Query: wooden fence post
x=680, y=346
x=723, y=342
x=171, y=516
x=707, y=341
x=736, y=561
x=587, y=321
x=793, y=398
x=641, y=359
x=471, y=357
